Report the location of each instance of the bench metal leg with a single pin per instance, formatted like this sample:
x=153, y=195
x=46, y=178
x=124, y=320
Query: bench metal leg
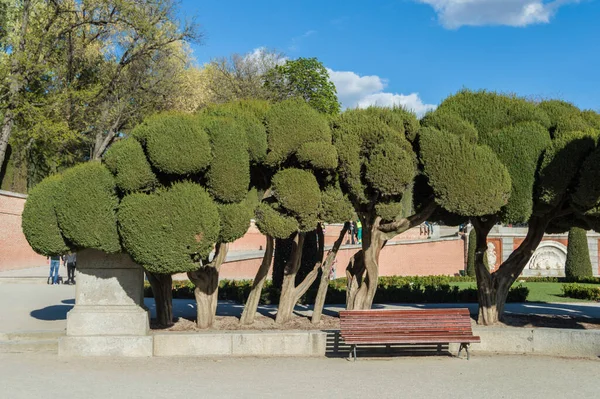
x=466, y=347
x=439, y=349
x=352, y=352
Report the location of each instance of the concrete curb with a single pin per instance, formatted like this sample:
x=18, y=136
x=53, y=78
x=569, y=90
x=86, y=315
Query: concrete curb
x=242, y=343
x=494, y=340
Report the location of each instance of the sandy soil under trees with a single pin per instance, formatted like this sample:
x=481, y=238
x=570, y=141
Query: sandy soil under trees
x=262, y=322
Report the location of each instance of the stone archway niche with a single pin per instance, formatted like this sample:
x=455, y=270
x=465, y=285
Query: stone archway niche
x=548, y=260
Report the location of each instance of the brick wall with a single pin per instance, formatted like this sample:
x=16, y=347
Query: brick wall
x=15, y=252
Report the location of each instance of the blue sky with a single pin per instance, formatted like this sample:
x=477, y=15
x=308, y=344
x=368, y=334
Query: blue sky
x=417, y=52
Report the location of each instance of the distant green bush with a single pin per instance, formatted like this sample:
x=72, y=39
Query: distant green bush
x=578, y=264
x=427, y=289
x=581, y=292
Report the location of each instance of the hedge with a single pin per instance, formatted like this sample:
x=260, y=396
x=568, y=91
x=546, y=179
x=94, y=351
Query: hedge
x=581, y=292
x=431, y=289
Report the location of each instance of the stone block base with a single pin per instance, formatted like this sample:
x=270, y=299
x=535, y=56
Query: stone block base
x=126, y=346
x=244, y=343
x=107, y=320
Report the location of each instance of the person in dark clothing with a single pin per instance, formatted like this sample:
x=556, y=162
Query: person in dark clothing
x=71, y=261
x=352, y=232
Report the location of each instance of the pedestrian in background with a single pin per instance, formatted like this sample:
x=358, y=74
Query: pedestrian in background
x=54, y=265
x=71, y=262
x=359, y=232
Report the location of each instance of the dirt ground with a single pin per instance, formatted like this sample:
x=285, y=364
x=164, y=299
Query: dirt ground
x=262, y=322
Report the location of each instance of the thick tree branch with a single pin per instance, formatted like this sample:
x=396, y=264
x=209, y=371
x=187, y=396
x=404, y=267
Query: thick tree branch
x=392, y=229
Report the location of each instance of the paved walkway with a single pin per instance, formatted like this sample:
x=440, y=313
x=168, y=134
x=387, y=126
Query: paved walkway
x=25, y=376
x=36, y=307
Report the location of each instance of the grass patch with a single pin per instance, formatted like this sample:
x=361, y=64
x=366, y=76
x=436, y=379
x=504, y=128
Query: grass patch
x=539, y=292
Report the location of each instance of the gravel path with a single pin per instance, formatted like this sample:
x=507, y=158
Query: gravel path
x=48, y=376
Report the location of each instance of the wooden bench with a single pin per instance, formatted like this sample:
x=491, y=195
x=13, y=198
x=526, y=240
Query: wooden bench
x=430, y=326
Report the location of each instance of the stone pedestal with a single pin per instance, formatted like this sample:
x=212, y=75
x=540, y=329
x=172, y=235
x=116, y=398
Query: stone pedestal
x=109, y=317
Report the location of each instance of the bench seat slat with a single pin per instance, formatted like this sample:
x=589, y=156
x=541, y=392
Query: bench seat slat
x=429, y=326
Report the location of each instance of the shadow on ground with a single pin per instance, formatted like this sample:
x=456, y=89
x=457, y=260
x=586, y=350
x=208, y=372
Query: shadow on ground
x=51, y=313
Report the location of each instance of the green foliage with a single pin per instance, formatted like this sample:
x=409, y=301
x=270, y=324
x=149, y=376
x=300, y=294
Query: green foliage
x=235, y=220
x=578, y=263
x=175, y=143
x=587, y=194
x=39, y=221
x=335, y=206
x=245, y=115
x=298, y=192
x=560, y=165
x=127, y=161
x=449, y=122
x=471, y=182
x=290, y=124
x=389, y=211
x=273, y=223
x=229, y=173
x=373, y=156
x=403, y=121
x=592, y=118
x=169, y=231
x=564, y=117
x=306, y=78
x=86, y=206
x=319, y=154
x=520, y=147
x=489, y=111
x=391, y=169
x=581, y=292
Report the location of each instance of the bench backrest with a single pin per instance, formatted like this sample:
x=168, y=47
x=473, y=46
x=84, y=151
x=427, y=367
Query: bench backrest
x=430, y=322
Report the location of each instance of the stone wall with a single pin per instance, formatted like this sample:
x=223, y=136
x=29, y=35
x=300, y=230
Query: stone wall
x=548, y=259
x=15, y=252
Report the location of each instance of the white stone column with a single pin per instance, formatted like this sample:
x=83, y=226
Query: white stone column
x=109, y=317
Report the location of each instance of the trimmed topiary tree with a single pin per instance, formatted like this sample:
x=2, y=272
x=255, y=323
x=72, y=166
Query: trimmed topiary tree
x=300, y=156
x=578, y=263
x=551, y=188
x=377, y=168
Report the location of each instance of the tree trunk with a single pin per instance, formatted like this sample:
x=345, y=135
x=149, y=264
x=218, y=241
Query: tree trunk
x=355, y=273
x=162, y=288
x=361, y=290
x=372, y=243
x=492, y=288
x=259, y=280
x=206, y=280
x=288, y=288
x=326, y=271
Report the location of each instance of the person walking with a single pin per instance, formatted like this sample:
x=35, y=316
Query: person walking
x=359, y=232
x=352, y=232
x=54, y=265
x=71, y=261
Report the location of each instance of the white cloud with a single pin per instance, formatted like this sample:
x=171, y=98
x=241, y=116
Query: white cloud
x=411, y=102
x=363, y=91
x=456, y=13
